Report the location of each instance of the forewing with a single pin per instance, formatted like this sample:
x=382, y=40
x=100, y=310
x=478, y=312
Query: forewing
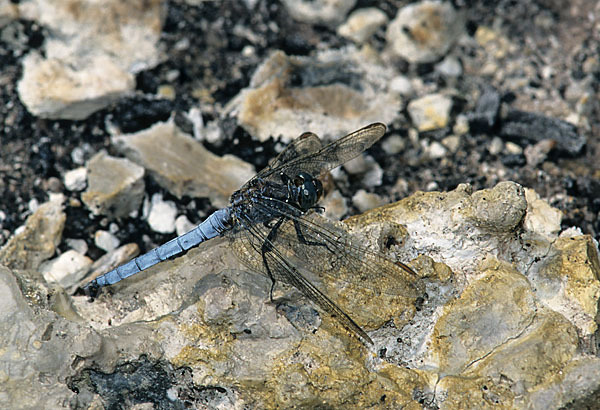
x=326, y=158
x=306, y=144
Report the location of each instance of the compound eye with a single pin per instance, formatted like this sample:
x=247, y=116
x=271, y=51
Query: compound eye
x=298, y=180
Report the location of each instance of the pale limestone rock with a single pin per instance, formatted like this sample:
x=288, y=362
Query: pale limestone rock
x=125, y=32
x=51, y=88
x=182, y=165
x=362, y=24
x=67, y=269
x=183, y=225
x=430, y=112
x=341, y=91
x=424, y=31
x=39, y=348
x=161, y=217
x=92, y=53
x=541, y=217
x=106, y=240
x=75, y=179
x=507, y=319
x=115, y=186
x=38, y=240
x=319, y=11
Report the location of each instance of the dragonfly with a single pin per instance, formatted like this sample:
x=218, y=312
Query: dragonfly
x=275, y=225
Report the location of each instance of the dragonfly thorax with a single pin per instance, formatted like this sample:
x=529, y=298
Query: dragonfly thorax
x=304, y=190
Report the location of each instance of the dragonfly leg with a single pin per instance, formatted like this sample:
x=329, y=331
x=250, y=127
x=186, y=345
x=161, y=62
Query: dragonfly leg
x=305, y=241
x=267, y=246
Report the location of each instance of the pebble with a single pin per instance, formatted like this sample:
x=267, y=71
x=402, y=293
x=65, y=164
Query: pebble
x=452, y=142
x=436, y=150
x=67, y=269
x=78, y=245
x=537, y=153
x=337, y=92
x=183, y=225
x=106, y=240
x=161, y=217
x=75, y=179
x=182, y=165
x=496, y=146
x=362, y=24
x=424, y=31
x=326, y=12
x=53, y=89
x=512, y=148
x=430, y=112
x=393, y=144
x=402, y=85
x=449, y=67
x=115, y=186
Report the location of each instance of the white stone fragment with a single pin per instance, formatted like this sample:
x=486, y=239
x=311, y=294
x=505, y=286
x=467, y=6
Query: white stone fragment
x=430, y=112
x=541, y=217
x=436, y=150
x=78, y=245
x=67, y=269
x=496, y=145
x=449, y=66
x=162, y=215
x=362, y=24
x=402, y=85
x=423, y=31
x=75, y=179
x=319, y=11
x=183, y=225
x=52, y=88
x=106, y=240
x=393, y=144
x=513, y=148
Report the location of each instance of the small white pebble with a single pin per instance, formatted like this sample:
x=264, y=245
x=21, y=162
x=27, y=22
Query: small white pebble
x=105, y=240
x=513, y=148
x=67, y=269
x=78, y=245
x=495, y=146
x=183, y=225
x=161, y=217
x=436, y=150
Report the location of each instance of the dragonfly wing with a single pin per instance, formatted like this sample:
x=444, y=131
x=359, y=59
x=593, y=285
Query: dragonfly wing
x=343, y=258
x=306, y=144
x=316, y=161
x=285, y=268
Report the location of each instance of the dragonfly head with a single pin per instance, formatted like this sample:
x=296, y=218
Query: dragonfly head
x=305, y=190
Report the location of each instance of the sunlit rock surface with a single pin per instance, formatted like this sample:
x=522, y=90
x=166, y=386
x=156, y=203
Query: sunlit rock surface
x=507, y=319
